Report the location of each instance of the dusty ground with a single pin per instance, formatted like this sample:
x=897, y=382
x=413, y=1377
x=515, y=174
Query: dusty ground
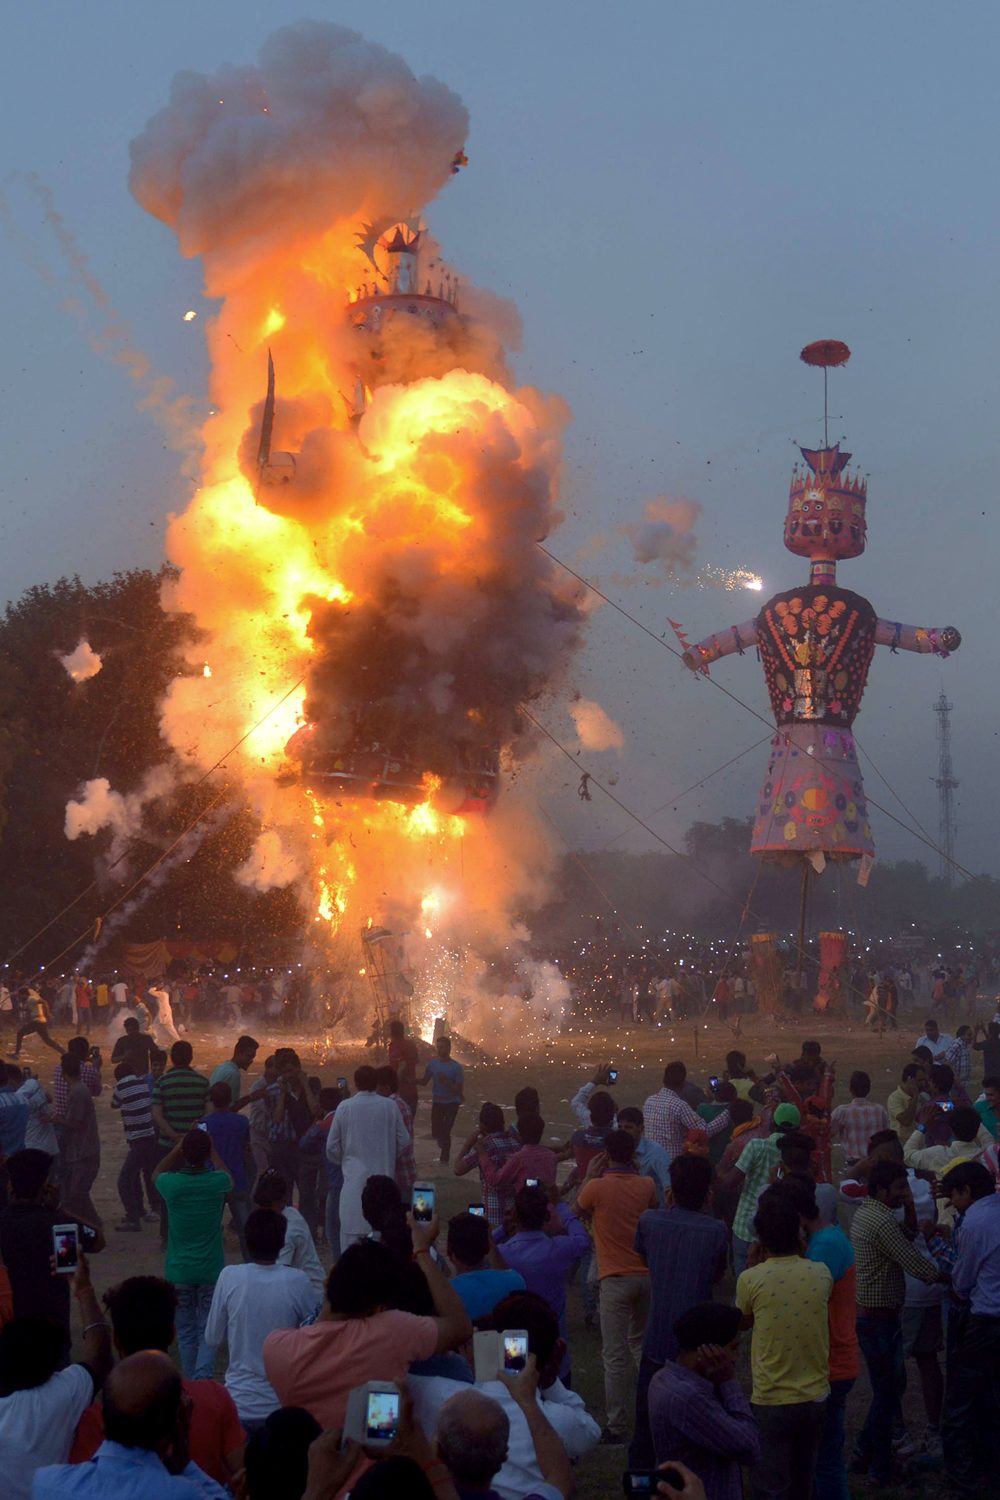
x=639, y=1054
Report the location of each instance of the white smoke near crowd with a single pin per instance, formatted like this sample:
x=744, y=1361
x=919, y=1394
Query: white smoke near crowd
x=82, y=662
x=97, y=806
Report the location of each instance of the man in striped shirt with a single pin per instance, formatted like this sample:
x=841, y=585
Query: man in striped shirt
x=179, y=1097
x=133, y=1097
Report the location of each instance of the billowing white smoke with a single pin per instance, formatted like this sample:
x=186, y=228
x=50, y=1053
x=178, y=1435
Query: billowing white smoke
x=243, y=160
x=98, y=806
x=82, y=662
x=665, y=536
x=269, y=863
x=595, y=728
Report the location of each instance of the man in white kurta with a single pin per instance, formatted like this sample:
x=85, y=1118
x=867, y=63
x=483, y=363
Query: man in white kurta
x=365, y=1139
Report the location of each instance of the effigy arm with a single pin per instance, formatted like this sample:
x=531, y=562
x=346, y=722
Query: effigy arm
x=941, y=640
x=736, y=639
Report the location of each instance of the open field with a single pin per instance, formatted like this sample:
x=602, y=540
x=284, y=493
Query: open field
x=557, y=1072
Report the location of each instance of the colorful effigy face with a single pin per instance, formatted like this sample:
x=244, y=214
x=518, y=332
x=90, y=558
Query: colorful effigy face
x=826, y=507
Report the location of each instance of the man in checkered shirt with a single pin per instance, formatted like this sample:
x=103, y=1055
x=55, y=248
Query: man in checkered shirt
x=854, y=1123
x=667, y=1118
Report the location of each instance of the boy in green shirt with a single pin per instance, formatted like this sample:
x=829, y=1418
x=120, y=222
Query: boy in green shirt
x=193, y=1184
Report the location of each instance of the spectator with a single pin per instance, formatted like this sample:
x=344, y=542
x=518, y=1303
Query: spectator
x=447, y=1094
x=667, y=1116
x=36, y=1021
x=359, y=1336
x=133, y=1096
x=135, y=1041
x=532, y=1159
x=686, y=1250
x=724, y=1096
x=90, y=1072
x=884, y=1251
x=989, y=1046
x=544, y=1260
x=387, y=1085
x=315, y=1141
x=40, y=1132
x=249, y=1302
x=231, y=1071
x=193, y=1184
x=473, y=1438
x=972, y=1398
x=650, y=1159
x=959, y=1057
x=616, y=1196
x=366, y=1139
x=143, y=1310
x=798, y=1158
x=829, y=1245
x=230, y=1134
x=785, y=1300
x=13, y=1113
x=478, y=1285
x=935, y=1040
x=752, y=1174
x=987, y=1107
x=491, y=1143
x=854, y=1123
x=522, y=1474
x=588, y=1142
x=179, y=1097
x=580, y=1102
x=81, y=1148
x=26, y=1241
x=41, y=1397
x=967, y=1138
x=145, y=1449
x=298, y=1250
x=904, y=1101
x=259, y=1114
x=698, y=1413
x=292, y=1107
x=404, y=1057
x=277, y=1455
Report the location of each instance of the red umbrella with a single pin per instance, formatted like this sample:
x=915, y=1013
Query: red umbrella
x=825, y=353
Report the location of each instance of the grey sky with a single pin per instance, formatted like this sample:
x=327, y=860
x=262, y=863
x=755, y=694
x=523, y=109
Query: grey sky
x=677, y=197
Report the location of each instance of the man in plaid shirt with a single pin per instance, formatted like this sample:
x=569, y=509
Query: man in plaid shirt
x=77, y=1046
x=752, y=1174
x=497, y=1147
x=854, y=1123
x=667, y=1117
x=387, y=1084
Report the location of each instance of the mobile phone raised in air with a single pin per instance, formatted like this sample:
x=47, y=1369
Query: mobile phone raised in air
x=65, y=1248
x=612, y=1075
x=342, y=1085
x=202, y=1125
x=478, y=1210
x=948, y=1104
x=532, y=1182
x=713, y=1082
x=423, y=1202
x=381, y=1416
x=515, y=1350
x=644, y=1481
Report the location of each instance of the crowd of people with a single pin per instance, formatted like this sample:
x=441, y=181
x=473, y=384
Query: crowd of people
x=709, y=1216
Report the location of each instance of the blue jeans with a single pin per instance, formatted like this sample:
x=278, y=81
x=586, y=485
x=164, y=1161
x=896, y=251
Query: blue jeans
x=831, y=1471
x=239, y=1211
x=193, y=1303
x=331, y=1222
x=741, y=1249
x=881, y=1343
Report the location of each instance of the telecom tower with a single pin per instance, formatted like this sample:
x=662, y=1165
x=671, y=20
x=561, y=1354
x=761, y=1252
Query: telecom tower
x=946, y=785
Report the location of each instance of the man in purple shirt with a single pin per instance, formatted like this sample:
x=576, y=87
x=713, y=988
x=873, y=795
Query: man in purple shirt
x=698, y=1414
x=544, y=1260
x=686, y=1251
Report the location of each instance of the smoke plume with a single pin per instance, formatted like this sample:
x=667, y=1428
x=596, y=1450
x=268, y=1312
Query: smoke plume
x=395, y=576
x=595, y=728
x=82, y=662
x=665, y=536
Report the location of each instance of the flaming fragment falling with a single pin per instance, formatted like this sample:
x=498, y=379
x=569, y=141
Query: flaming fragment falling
x=366, y=537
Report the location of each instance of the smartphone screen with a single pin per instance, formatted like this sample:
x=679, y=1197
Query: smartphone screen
x=202, y=1125
x=515, y=1350
x=342, y=1084
x=478, y=1210
x=714, y=1082
x=423, y=1203
x=531, y=1182
x=382, y=1416
x=65, y=1248
x=640, y=1482
x=612, y=1075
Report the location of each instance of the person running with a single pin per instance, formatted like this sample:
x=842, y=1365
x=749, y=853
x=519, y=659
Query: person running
x=37, y=1023
x=447, y=1095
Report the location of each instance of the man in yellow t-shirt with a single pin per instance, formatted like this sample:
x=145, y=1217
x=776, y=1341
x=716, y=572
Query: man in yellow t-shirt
x=785, y=1299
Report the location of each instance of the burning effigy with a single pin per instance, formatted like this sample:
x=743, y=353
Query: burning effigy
x=360, y=554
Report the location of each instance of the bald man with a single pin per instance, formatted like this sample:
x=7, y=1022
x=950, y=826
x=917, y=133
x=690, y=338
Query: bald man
x=474, y=1440
x=144, y=1455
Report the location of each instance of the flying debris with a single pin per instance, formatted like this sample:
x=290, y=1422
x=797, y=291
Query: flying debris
x=190, y=315
x=361, y=767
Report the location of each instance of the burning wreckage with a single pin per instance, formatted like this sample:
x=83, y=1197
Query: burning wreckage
x=374, y=758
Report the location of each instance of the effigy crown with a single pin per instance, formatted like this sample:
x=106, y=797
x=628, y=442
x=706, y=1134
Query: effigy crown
x=826, y=507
